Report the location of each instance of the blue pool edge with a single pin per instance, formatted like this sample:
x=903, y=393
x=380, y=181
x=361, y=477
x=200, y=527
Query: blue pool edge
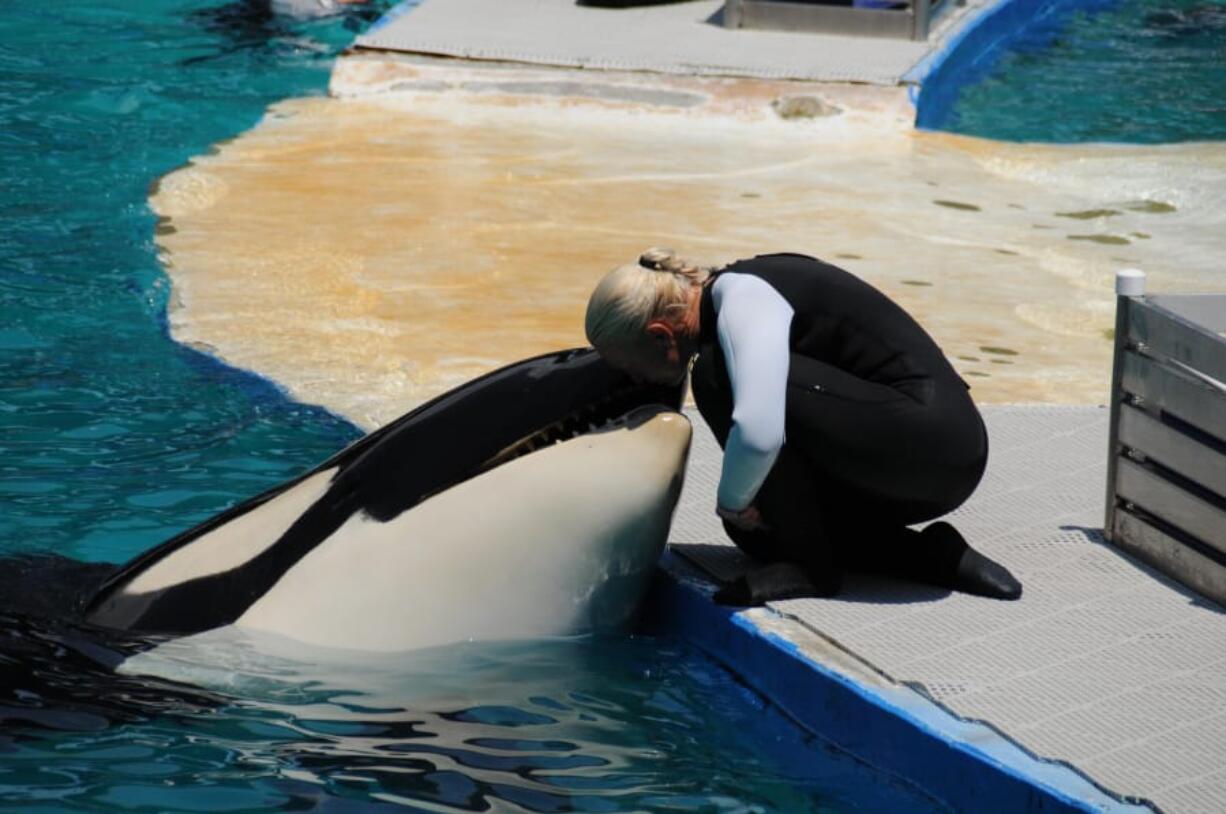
x=973, y=48
x=834, y=695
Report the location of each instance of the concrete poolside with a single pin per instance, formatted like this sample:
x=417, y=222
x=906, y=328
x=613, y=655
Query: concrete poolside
x=678, y=38
x=1103, y=664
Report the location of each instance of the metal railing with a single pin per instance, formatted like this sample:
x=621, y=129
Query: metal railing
x=1166, y=471
x=911, y=21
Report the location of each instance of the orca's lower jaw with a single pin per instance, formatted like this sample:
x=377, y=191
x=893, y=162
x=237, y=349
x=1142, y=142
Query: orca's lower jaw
x=557, y=542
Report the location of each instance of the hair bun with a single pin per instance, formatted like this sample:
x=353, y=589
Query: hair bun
x=656, y=259
x=667, y=260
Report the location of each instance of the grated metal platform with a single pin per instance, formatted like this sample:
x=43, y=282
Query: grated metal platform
x=1103, y=663
x=685, y=38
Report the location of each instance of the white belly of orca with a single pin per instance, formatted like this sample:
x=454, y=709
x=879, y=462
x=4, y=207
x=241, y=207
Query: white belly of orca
x=560, y=541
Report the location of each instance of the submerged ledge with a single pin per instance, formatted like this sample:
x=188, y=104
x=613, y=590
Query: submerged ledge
x=436, y=219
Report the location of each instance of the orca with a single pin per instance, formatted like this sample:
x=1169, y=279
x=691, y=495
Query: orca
x=531, y=502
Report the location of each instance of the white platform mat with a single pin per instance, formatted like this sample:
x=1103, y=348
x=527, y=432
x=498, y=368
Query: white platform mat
x=686, y=38
x=1103, y=663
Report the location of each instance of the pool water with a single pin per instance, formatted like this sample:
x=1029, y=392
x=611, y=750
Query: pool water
x=1137, y=71
x=113, y=437
x=620, y=724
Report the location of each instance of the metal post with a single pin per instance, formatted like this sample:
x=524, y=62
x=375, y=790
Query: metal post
x=733, y=14
x=1129, y=283
x=921, y=10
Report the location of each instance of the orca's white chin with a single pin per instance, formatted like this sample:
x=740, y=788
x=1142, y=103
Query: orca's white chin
x=557, y=541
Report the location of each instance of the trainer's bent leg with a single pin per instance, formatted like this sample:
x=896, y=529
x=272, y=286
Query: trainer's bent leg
x=901, y=460
x=938, y=555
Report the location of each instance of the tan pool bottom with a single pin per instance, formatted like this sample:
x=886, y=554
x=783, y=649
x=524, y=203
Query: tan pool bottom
x=368, y=253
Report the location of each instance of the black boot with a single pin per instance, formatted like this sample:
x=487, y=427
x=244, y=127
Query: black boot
x=952, y=563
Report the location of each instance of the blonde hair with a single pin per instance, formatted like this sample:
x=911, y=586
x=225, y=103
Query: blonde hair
x=631, y=296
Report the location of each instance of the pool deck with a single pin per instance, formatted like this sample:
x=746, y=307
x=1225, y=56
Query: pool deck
x=677, y=38
x=1103, y=664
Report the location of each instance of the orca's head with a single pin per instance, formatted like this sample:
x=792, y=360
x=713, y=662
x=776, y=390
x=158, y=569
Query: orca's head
x=518, y=410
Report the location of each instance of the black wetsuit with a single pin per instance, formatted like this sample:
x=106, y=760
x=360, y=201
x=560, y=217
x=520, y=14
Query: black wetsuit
x=880, y=430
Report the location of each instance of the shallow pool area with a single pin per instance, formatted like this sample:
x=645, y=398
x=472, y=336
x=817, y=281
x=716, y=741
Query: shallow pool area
x=461, y=213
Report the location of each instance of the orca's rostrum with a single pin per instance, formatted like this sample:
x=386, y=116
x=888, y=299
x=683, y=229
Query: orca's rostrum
x=533, y=501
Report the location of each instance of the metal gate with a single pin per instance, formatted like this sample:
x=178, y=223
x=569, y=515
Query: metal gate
x=1166, y=474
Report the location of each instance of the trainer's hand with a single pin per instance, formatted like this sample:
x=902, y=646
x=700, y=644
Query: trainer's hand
x=747, y=519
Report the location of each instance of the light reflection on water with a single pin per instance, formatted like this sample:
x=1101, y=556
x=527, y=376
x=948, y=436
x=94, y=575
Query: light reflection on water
x=249, y=723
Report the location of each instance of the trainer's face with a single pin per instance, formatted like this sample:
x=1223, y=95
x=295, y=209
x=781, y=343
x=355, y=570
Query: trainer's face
x=656, y=358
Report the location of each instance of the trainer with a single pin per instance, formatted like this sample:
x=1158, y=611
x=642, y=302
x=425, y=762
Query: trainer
x=842, y=422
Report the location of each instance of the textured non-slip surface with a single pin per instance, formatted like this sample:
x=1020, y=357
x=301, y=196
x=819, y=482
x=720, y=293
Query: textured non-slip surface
x=682, y=38
x=1103, y=663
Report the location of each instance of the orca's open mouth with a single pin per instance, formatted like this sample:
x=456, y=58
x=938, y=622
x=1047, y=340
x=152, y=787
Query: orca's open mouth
x=602, y=414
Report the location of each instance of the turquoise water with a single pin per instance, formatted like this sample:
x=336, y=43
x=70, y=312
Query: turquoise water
x=112, y=438
x=1138, y=71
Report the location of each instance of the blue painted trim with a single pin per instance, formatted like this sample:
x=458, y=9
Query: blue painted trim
x=394, y=13
x=934, y=59
x=967, y=55
x=966, y=764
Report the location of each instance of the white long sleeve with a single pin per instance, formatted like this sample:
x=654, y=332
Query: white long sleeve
x=753, y=322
